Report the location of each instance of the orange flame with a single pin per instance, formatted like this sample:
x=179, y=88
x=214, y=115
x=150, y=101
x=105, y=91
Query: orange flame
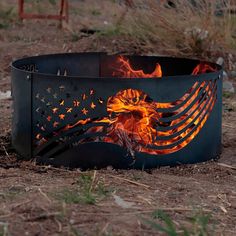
x=202, y=68
x=129, y=72
x=136, y=115
x=138, y=123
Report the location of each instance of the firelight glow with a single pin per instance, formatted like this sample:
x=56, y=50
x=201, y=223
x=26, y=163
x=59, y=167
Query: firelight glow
x=139, y=124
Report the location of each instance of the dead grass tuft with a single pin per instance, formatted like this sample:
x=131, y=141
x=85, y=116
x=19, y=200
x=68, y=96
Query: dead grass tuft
x=188, y=27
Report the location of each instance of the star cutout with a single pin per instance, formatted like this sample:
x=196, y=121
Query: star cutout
x=49, y=90
x=62, y=116
x=69, y=109
x=76, y=103
x=54, y=110
x=84, y=96
x=92, y=105
x=100, y=101
x=91, y=92
x=62, y=102
x=55, y=124
x=49, y=118
x=84, y=111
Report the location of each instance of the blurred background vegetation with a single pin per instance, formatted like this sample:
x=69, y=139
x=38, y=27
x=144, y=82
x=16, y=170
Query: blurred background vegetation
x=183, y=27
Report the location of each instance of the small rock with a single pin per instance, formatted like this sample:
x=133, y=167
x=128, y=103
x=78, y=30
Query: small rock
x=27, y=189
x=220, y=61
x=225, y=76
x=5, y=95
x=16, y=188
x=72, y=221
x=154, y=54
x=230, y=61
x=232, y=74
x=122, y=203
x=228, y=87
x=110, y=168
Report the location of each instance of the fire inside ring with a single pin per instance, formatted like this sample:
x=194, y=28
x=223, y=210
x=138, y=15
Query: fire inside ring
x=92, y=110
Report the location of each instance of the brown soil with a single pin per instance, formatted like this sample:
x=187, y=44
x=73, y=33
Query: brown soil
x=32, y=198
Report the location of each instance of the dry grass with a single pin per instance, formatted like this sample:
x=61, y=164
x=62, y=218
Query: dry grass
x=189, y=29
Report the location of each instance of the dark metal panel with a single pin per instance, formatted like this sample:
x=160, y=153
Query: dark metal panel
x=53, y=100
x=72, y=64
x=21, y=121
x=204, y=145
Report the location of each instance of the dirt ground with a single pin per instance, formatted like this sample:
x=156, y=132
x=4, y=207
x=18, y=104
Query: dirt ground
x=41, y=200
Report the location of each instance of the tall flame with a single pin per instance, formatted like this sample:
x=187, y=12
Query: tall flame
x=128, y=72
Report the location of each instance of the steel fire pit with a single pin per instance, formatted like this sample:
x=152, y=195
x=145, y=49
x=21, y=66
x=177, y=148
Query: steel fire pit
x=92, y=110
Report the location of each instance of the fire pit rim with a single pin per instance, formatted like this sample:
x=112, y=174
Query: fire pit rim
x=14, y=65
